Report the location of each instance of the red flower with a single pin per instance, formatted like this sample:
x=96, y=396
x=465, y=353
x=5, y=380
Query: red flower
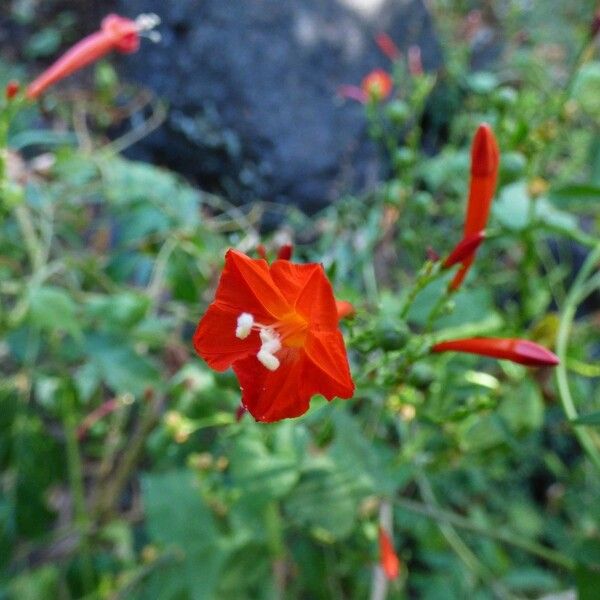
x=377, y=84
x=116, y=33
x=485, y=158
x=523, y=352
x=277, y=326
x=388, y=46
x=390, y=563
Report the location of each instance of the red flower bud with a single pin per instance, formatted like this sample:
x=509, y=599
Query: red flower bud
x=485, y=159
x=519, y=351
x=285, y=252
x=388, y=46
x=388, y=559
x=464, y=249
x=12, y=89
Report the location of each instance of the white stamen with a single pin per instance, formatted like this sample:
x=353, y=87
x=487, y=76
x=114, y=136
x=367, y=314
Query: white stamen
x=245, y=323
x=146, y=22
x=271, y=342
x=268, y=360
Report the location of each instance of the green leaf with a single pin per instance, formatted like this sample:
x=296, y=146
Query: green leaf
x=573, y=195
x=262, y=475
x=588, y=583
x=586, y=89
x=120, y=366
x=53, y=309
x=511, y=208
x=326, y=499
x=180, y=522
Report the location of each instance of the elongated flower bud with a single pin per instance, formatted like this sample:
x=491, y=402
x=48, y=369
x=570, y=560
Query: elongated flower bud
x=485, y=159
x=116, y=33
x=464, y=249
x=388, y=559
x=519, y=351
x=12, y=89
x=388, y=46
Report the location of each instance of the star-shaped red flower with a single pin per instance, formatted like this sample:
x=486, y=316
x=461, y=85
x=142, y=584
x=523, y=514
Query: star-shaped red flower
x=277, y=326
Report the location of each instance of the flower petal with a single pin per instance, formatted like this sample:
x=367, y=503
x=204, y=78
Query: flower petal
x=215, y=340
x=274, y=395
x=246, y=286
x=329, y=364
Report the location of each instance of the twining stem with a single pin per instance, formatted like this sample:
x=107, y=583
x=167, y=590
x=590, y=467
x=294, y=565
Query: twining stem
x=501, y=535
x=575, y=296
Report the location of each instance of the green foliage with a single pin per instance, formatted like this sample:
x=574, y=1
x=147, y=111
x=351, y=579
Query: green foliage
x=125, y=473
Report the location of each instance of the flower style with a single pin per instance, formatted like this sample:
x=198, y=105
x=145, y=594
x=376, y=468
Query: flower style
x=519, y=351
x=485, y=158
x=116, y=33
x=388, y=559
x=277, y=326
x=377, y=84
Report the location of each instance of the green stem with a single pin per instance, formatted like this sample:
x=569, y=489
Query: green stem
x=566, y=320
x=430, y=272
x=456, y=542
x=501, y=535
x=75, y=471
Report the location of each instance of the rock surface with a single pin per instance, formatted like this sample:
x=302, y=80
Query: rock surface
x=251, y=88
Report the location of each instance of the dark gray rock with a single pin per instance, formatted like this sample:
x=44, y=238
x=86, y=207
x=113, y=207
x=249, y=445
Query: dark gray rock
x=251, y=87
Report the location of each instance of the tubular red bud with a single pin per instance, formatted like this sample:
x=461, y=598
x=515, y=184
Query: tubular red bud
x=285, y=252
x=485, y=159
x=464, y=249
x=12, y=89
x=485, y=156
x=388, y=46
x=519, y=351
x=344, y=309
x=388, y=559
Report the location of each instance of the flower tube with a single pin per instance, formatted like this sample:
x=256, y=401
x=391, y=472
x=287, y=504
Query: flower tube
x=516, y=350
x=116, y=33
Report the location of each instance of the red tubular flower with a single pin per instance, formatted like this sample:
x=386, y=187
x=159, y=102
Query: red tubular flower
x=277, y=326
x=388, y=46
x=485, y=158
x=519, y=351
x=464, y=249
x=116, y=33
x=388, y=559
x=377, y=84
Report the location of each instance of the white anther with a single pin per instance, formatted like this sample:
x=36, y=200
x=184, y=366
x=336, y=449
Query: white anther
x=267, y=359
x=244, y=326
x=146, y=22
x=271, y=342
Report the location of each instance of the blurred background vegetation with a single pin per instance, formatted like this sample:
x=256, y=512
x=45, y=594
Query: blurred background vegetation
x=125, y=473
